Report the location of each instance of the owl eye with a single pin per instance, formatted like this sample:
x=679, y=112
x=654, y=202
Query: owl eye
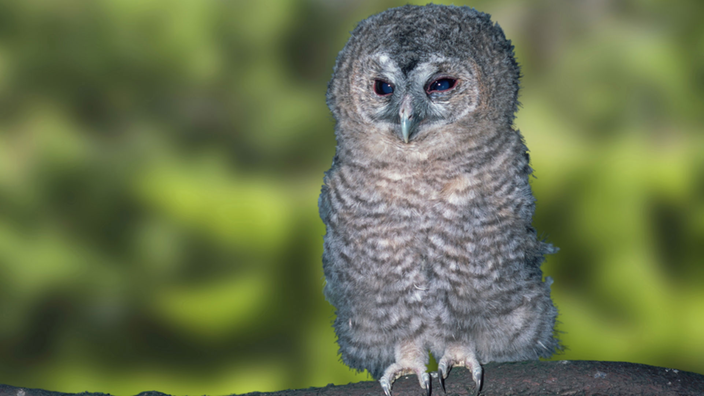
x=383, y=88
x=441, y=85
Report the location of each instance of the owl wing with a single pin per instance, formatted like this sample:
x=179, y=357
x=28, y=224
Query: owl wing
x=324, y=207
x=324, y=204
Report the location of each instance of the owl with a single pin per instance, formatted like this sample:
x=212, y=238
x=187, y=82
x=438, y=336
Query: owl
x=429, y=246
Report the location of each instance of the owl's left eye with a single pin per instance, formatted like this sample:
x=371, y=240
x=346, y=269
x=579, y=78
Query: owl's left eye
x=383, y=88
x=441, y=85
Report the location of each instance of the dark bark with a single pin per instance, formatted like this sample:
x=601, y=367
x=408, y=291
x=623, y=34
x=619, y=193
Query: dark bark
x=518, y=378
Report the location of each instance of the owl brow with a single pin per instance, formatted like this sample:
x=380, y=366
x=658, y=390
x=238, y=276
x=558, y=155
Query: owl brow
x=384, y=63
x=429, y=70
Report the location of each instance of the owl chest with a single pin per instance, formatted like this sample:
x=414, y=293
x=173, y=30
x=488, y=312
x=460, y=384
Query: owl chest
x=400, y=199
x=428, y=191
x=415, y=200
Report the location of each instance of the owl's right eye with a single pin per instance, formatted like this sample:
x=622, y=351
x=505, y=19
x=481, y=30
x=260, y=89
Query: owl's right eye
x=383, y=88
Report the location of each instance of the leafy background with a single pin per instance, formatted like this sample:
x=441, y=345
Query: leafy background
x=160, y=163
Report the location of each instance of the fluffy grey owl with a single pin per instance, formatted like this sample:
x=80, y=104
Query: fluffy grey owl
x=429, y=243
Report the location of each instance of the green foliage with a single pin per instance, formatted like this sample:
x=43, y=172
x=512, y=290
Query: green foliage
x=160, y=164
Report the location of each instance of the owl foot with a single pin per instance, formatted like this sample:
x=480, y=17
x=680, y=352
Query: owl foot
x=460, y=357
x=395, y=371
x=410, y=359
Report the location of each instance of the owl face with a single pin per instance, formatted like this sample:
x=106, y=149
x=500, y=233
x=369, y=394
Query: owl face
x=412, y=98
x=423, y=82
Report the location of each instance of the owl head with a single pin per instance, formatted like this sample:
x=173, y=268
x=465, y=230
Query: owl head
x=417, y=80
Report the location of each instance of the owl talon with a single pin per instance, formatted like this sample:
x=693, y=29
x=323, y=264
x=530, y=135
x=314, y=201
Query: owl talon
x=442, y=368
x=477, y=377
x=426, y=383
x=441, y=378
x=386, y=387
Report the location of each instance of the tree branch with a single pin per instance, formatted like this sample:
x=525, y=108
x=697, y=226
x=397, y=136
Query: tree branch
x=565, y=377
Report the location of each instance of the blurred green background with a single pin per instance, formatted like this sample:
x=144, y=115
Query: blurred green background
x=160, y=163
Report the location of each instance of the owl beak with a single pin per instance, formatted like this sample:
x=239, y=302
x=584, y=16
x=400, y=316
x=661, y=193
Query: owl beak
x=407, y=121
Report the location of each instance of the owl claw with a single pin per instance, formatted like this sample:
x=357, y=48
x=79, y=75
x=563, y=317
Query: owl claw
x=386, y=387
x=477, y=377
x=441, y=377
x=442, y=368
x=426, y=383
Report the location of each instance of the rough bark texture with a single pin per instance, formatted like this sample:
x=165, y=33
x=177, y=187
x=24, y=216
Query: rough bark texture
x=519, y=378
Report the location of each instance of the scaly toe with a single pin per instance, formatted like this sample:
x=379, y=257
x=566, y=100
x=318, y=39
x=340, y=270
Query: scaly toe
x=425, y=383
x=443, y=368
x=441, y=378
x=386, y=386
x=477, y=377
